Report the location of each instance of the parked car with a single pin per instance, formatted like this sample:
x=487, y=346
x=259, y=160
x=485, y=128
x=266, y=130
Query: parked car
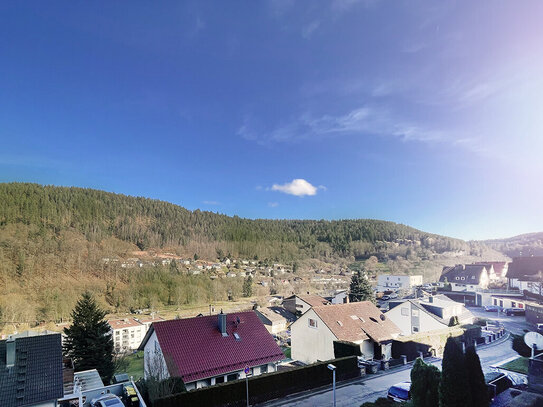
x=108, y=400
x=514, y=311
x=491, y=308
x=393, y=295
x=385, y=297
x=400, y=392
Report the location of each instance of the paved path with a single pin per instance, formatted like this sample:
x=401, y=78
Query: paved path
x=369, y=388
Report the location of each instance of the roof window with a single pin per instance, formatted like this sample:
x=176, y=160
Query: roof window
x=339, y=323
x=354, y=317
x=236, y=335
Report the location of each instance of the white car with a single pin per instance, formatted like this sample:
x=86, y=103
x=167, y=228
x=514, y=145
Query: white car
x=108, y=400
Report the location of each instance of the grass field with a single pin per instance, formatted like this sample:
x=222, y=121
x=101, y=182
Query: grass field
x=519, y=365
x=133, y=366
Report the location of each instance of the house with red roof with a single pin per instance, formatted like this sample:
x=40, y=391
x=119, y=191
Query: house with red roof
x=208, y=350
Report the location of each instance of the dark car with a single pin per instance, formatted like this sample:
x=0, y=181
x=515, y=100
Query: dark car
x=400, y=392
x=514, y=311
x=491, y=308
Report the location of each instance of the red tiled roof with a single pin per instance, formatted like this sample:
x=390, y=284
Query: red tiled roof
x=314, y=300
x=356, y=321
x=195, y=349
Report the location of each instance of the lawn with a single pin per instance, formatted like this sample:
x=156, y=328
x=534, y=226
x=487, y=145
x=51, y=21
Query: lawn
x=519, y=365
x=133, y=366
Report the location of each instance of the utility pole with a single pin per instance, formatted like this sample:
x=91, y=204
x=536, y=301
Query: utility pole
x=333, y=369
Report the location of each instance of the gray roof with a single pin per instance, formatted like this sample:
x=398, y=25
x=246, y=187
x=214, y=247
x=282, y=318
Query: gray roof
x=37, y=374
x=470, y=272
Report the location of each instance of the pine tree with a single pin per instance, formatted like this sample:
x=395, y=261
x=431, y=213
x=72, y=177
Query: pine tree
x=476, y=379
x=88, y=340
x=248, y=287
x=425, y=384
x=360, y=289
x=454, y=390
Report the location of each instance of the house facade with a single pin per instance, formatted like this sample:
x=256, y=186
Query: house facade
x=207, y=350
x=526, y=273
x=465, y=277
x=127, y=334
x=314, y=333
x=427, y=314
x=299, y=304
x=387, y=282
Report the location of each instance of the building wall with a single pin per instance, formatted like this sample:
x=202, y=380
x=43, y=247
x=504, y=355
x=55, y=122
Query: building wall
x=340, y=298
x=511, y=302
x=234, y=375
x=311, y=344
x=402, y=315
x=534, y=314
x=388, y=282
x=128, y=338
x=154, y=363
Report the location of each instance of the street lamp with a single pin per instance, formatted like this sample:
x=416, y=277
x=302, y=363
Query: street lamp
x=333, y=369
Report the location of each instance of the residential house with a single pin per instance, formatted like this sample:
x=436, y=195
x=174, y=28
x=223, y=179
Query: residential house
x=299, y=304
x=338, y=297
x=427, y=314
x=508, y=300
x=526, y=274
x=497, y=270
x=147, y=320
x=387, y=282
x=208, y=350
x=31, y=370
x=534, y=313
x=465, y=277
x=273, y=319
x=127, y=334
x=314, y=333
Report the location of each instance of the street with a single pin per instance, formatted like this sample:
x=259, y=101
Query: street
x=354, y=393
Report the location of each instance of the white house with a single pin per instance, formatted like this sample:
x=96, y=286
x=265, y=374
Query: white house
x=272, y=319
x=338, y=297
x=427, y=314
x=127, y=334
x=207, y=350
x=465, y=277
x=314, y=333
x=386, y=282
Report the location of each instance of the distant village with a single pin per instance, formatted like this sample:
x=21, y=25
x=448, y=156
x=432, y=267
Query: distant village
x=402, y=320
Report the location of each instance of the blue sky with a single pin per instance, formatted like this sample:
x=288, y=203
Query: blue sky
x=420, y=112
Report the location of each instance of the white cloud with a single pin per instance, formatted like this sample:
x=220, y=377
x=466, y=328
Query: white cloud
x=273, y=204
x=298, y=187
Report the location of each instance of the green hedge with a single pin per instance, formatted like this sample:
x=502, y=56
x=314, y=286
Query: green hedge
x=265, y=387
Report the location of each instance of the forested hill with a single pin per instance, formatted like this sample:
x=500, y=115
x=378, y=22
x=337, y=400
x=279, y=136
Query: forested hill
x=529, y=244
x=150, y=223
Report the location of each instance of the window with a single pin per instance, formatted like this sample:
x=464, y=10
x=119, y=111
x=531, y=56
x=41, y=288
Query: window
x=231, y=377
x=312, y=323
x=405, y=312
x=457, y=278
x=513, y=304
x=415, y=312
x=339, y=323
x=462, y=278
x=264, y=369
x=415, y=329
x=219, y=379
x=521, y=305
x=398, y=278
x=495, y=301
x=473, y=277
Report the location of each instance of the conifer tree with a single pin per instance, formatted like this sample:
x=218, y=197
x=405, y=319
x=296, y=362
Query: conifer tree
x=360, y=289
x=454, y=390
x=425, y=384
x=476, y=379
x=248, y=287
x=88, y=340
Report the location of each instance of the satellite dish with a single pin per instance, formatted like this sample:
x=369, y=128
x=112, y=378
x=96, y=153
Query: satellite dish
x=534, y=339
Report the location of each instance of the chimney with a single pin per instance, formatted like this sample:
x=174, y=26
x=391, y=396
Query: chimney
x=222, y=324
x=10, y=352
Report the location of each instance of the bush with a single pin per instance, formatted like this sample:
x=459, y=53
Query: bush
x=520, y=346
x=380, y=402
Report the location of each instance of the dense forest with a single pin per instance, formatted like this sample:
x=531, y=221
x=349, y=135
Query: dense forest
x=53, y=242
x=529, y=244
x=151, y=223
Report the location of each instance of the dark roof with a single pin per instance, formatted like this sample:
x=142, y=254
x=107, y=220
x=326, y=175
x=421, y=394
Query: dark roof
x=195, y=349
x=497, y=265
x=525, y=266
x=37, y=374
x=460, y=270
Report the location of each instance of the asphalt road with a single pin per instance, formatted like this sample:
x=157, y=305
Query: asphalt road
x=356, y=392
